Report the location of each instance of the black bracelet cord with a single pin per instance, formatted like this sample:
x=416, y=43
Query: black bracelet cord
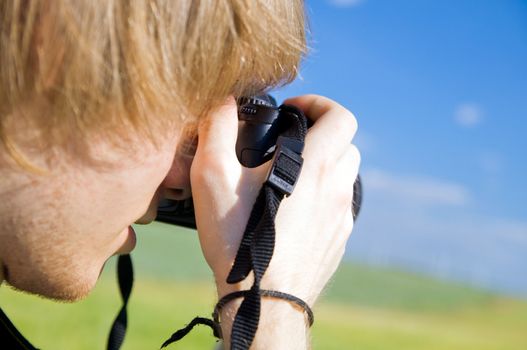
x=214, y=323
x=257, y=245
x=264, y=293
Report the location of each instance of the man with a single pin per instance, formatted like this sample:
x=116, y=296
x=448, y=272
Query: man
x=102, y=106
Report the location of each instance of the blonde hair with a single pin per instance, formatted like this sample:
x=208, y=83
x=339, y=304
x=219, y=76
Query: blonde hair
x=97, y=65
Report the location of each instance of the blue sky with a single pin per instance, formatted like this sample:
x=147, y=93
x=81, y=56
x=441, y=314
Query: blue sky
x=440, y=92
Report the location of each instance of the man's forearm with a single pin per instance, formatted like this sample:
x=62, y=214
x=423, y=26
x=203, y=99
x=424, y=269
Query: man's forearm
x=282, y=325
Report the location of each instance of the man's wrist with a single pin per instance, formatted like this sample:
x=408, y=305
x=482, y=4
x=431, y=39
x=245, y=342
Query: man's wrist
x=282, y=324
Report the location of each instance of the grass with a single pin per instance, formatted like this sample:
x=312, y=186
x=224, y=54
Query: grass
x=364, y=308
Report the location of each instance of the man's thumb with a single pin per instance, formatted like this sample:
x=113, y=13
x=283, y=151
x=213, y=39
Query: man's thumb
x=217, y=133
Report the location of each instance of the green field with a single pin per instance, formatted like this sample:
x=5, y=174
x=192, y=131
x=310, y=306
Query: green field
x=364, y=308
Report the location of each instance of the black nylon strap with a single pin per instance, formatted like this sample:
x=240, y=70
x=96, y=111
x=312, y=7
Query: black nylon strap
x=261, y=249
x=10, y=337
x=125, y=275
x=257, y=246
x=268, y=199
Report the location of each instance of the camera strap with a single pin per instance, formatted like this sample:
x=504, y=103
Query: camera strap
x=10, y=337
x=125, y=276
x=257, y=245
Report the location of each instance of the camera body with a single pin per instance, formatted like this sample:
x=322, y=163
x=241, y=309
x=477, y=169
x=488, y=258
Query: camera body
x=259, y=125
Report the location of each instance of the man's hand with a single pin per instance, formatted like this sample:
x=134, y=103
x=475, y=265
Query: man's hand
x=312, y=225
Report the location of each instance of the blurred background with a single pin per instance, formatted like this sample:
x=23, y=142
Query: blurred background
x=438, y=257
x=440, y=92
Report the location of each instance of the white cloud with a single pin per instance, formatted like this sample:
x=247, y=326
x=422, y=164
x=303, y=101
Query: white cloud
x=416, y=189
x=452, y=243
x=468, y=115
x=512, y=230
x=345, y=3
x=402, y=224
x=491, y=162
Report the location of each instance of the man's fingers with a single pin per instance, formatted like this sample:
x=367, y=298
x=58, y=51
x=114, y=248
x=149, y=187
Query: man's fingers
x=334, y=126
x=313, y=106
x=348, y=168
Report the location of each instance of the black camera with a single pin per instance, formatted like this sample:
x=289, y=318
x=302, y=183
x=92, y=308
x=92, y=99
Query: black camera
x=260, y=122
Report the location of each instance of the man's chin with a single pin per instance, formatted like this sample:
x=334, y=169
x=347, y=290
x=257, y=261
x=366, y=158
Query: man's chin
x=62, y=292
